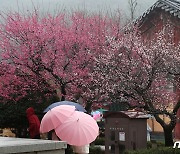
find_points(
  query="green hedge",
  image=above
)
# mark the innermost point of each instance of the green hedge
(92, 150)
(99, 141)
(95, 150)
(160, 150)
(154, 144)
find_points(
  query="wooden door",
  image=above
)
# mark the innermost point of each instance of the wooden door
(117, 137)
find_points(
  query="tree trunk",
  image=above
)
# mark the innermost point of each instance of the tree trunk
(168, 136)
(88, 107)
(63, 92)
(168, 128)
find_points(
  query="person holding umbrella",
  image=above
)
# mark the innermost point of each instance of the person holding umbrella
(34, 123)
(79, 130)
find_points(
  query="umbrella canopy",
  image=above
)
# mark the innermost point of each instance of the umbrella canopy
(55, 117)
(101, 110)
(96, 115)
(77, 106)
(79, 129)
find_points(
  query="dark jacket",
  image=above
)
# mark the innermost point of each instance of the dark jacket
(34, 123)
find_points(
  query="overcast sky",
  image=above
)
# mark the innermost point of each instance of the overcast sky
(90, 5)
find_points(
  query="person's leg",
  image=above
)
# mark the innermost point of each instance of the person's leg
(68, 150)
(50, 135)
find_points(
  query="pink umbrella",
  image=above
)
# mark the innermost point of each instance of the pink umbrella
(55, 117)
(79, 129)
(96, 115)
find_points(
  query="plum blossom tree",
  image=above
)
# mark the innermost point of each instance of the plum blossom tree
(89, 57)
(141, 74)
(51, 54)
(15, 84)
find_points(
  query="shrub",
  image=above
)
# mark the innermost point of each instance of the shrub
(99, 141)
(161, 150)
(149, 145)
(95, 150)
(160, 144)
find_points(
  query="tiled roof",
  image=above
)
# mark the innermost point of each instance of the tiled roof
(171, 6)
(136, 115)
(127, 114)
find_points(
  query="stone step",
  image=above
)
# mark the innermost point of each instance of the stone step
(10, 145)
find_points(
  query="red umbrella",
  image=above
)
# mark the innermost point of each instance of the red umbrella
(55, 117)
(79, 129)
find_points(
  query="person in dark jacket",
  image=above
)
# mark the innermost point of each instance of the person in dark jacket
(34, 123)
